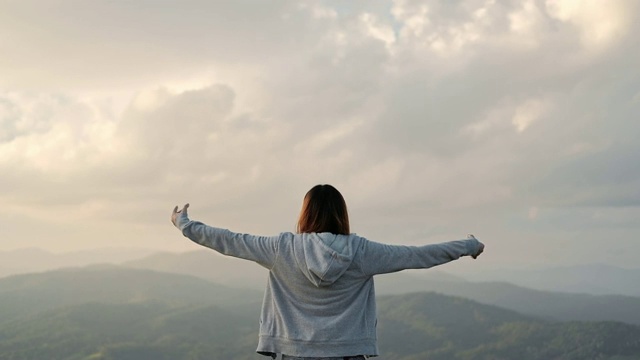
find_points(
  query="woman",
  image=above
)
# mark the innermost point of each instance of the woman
(320, 299)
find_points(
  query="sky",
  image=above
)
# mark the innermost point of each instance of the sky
(517, 121)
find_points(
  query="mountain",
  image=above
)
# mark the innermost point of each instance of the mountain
(411, 327)
(543, 304)
(433, 326)
(30, 260)
(554, 305)
(596, 279)
(241, 274)
(145, 330)
(208, 265)
(22, 295)
(228, 270)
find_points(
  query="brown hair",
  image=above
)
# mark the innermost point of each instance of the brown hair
(323, 210)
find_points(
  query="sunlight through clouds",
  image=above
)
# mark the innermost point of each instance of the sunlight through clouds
(528, 113)
(599, 22)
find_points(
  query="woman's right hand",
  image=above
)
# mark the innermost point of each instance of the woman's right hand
(176, 213)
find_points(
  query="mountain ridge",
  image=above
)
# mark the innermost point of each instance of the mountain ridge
(422, 325)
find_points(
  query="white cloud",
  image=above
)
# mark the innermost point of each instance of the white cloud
(116, 45)
(599, 23)
(378, 30)
(413, 14)
(329, 137)
(509, 113)
(527, 24)
(426, 115)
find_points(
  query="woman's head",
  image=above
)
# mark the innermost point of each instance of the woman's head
(323, 210)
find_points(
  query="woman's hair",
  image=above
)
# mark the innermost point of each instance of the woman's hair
(323, 210)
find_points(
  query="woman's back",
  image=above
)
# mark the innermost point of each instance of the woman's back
(318, 301)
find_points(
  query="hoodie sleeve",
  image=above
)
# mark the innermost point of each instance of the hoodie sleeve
(261, 249)
(380, 258)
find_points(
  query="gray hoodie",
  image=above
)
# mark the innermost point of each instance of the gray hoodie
(320, 298)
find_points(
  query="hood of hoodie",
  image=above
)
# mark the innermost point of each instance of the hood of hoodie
(324, 257)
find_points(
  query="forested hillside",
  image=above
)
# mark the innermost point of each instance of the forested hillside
(432, 326)
(22, 295)
(546, 304)
(111, 313)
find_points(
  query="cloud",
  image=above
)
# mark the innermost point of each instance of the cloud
(599, 23)
(426, 115)
(527, 113)
(118, 45)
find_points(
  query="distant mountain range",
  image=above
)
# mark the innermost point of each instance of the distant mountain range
(23, 295)
(595, 279)
(241, 274)
(109, 313)
(554, 305)
(30, 260)
(206, 265)
(543, 304)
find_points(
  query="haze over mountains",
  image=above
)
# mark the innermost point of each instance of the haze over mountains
(28, 260)
(554, 305)
(28, 293)
(596, 279)
(239, 274)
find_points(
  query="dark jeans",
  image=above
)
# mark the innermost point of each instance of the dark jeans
(358, 357)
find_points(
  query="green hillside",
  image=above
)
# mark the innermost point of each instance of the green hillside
(21, 295)
(148, 330)
(434, 326)
(546, 304)
(121, 314)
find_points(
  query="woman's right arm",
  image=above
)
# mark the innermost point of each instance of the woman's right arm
(380, 258)
(261, 249)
